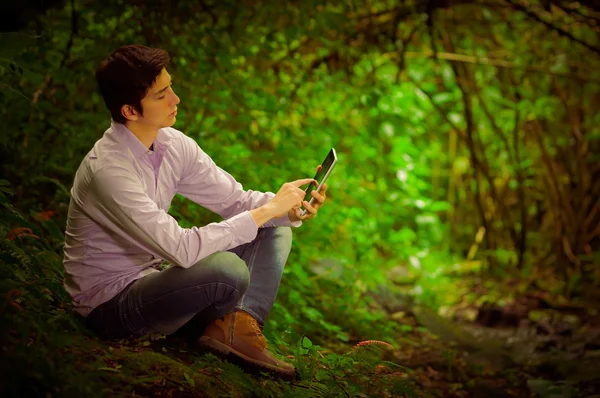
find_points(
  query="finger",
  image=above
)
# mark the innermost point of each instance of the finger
(319, 167)
(309, 208)
(304, 181)
(299, 214)
(307, 215)
(319, 197)
(323, 189)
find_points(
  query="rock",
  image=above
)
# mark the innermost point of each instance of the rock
(392, 299)
(329, 268)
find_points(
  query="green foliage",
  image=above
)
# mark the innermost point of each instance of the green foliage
(464, 149)
(39, 328)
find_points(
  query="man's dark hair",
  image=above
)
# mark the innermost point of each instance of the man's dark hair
(125, 77)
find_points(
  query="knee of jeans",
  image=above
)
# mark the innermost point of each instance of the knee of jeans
(285, 233)
(233, 271)
(283, 236)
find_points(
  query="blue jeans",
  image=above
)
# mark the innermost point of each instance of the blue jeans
(244, 278)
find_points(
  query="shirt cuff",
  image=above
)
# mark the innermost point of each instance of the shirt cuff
(294, 224)
(283, 221)
(243, 228)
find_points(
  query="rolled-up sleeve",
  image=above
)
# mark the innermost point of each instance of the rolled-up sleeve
(120, 204)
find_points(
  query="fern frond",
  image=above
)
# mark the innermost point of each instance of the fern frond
(371, 342)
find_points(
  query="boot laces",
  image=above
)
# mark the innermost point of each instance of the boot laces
(257, 329)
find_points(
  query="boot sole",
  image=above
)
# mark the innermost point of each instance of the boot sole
(226, 352)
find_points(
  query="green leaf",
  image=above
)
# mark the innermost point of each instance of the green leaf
(442, 98)
(403, 235)
(107, 369)
(439, 206)
(305, 342)
(189, 380)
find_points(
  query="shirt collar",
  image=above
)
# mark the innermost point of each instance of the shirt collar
(138, 149)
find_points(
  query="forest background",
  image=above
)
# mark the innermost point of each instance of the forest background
(468, 183)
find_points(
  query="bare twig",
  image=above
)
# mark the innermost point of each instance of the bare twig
(470, 59)
(589, 218)
(438, 108)
(584, 18)
(567, 215)
(341, 385)
(172, 380)
(402, 51)
(209, 11)
(430, 10)
(463, 80)
(520, 243)
(49, 77)
(593, 234)
(549, 25)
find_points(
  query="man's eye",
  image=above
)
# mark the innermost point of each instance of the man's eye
(164, 95)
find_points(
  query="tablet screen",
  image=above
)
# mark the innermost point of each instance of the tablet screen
(325, 166)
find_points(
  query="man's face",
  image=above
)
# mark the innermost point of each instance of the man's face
(159, 104)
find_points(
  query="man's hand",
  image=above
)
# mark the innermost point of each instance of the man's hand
(295, 214)
(289, 196)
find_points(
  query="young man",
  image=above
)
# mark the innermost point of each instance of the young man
(223, 277)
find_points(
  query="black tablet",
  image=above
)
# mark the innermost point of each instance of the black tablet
(321, 177)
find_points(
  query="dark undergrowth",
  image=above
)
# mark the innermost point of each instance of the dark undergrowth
(353, 348)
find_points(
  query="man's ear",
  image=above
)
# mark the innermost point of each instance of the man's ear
(129, 113)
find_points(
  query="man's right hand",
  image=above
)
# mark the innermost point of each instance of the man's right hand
(289, 196)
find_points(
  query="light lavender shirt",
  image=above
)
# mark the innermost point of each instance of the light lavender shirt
(118, 229)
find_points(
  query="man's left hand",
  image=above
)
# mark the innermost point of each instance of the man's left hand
(296, 213)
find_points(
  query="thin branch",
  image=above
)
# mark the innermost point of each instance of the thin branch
(341, 385)
(405, 10)
(49, 77)
(536, 130)
(440, 110)
(430, 27)
(549, 25)
(514, 157)
(463, 80)
(467, 140)
(478, 167)
(593, 234)
(209, 11)
(499, 132)
(74, 31)
(172, 380)
(588, 220)
(471, 59)
(6, 86)
(402, 52)
(586, 18)
(519, 171)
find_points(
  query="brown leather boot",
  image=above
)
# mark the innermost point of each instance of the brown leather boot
(238, 333)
